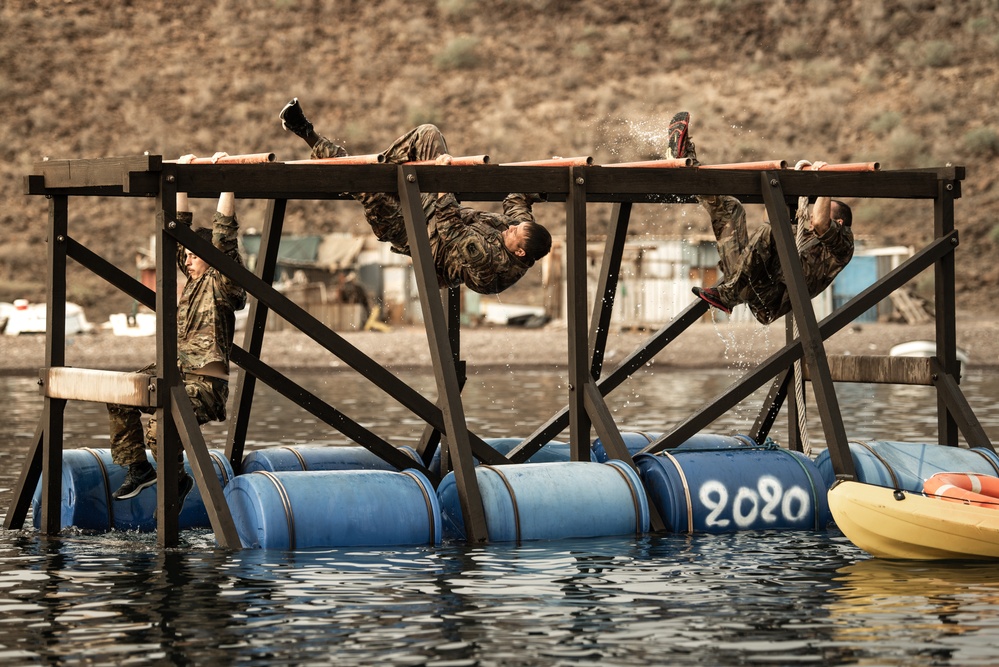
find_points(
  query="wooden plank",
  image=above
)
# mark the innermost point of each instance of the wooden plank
(84, 384)
(84, 173)
(738, 183)
(875, 369)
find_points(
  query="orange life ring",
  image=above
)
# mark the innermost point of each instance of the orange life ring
(964, 487)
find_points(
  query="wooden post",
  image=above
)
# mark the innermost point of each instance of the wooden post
(575, 226)
(167, 374)
(456, 437)
(945, 306)
(253, 335)
(55, 355)
(804, 315)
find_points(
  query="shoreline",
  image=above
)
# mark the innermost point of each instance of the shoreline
(704, 345)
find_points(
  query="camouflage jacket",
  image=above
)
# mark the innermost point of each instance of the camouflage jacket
(822, 259)
(206, 319)
(468, 244)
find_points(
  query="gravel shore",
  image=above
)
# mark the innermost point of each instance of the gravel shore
(704, 345)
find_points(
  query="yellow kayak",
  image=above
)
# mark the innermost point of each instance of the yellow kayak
(899, 524)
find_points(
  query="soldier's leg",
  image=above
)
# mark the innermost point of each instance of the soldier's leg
(383, 211)
(127, 444)
(728, 222)
(293, 119)
(128, 448)
(425, 142)
(208, 397)
(760, 281)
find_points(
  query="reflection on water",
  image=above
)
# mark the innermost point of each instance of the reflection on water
(763, 598)
(929, 609)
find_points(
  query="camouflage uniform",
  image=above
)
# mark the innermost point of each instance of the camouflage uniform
(467, 244)
(751, 267)
(206, 323)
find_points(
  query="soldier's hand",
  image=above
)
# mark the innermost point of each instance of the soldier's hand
(220, 154)
(186, 159)
(443, 159)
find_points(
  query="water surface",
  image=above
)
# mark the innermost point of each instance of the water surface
(769, 598)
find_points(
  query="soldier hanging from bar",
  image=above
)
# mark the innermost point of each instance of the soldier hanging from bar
(487, 252)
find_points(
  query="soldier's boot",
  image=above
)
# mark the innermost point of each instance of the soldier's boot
(140, 475)
(293, 119)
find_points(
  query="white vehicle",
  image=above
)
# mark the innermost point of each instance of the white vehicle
(22, 317)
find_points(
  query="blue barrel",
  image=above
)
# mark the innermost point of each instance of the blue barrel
(636, 441)
(550, 452)
(334, 508)
(731, 489)
(550, 501)
(88, 480)
(285, 459)
(906, 465)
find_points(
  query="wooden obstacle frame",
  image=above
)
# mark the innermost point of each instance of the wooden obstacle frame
(574, 181)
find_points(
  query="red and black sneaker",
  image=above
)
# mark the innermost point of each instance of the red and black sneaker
(677, 136)
(712, 297)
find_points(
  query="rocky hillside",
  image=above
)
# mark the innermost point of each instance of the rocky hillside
(909, 83)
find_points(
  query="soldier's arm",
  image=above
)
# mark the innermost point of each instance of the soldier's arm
(518, 206)
(184, 217)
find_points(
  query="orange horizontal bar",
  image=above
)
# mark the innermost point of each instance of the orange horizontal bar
(671, 163)
(853, 166)
(458, 161)
(553, 162)
(749, 166)
(249, 158)
(375, 158)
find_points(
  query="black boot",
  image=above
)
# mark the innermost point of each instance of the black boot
(294, 120)
(140, 475)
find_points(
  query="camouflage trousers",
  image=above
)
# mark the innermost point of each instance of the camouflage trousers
(750, 265)
(128, 444)
(383, 210)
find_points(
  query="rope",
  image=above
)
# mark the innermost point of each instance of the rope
(799, 399)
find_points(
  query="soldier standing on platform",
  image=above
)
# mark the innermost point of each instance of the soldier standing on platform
(206, 323)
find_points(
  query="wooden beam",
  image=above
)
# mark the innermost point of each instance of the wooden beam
(878, 369)
(804, 315)
(457, 438)
(579, 365)
(84, 384)
(610, 272)
(253, 334)
(109, 171)
(200, 460)
(957, 405)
